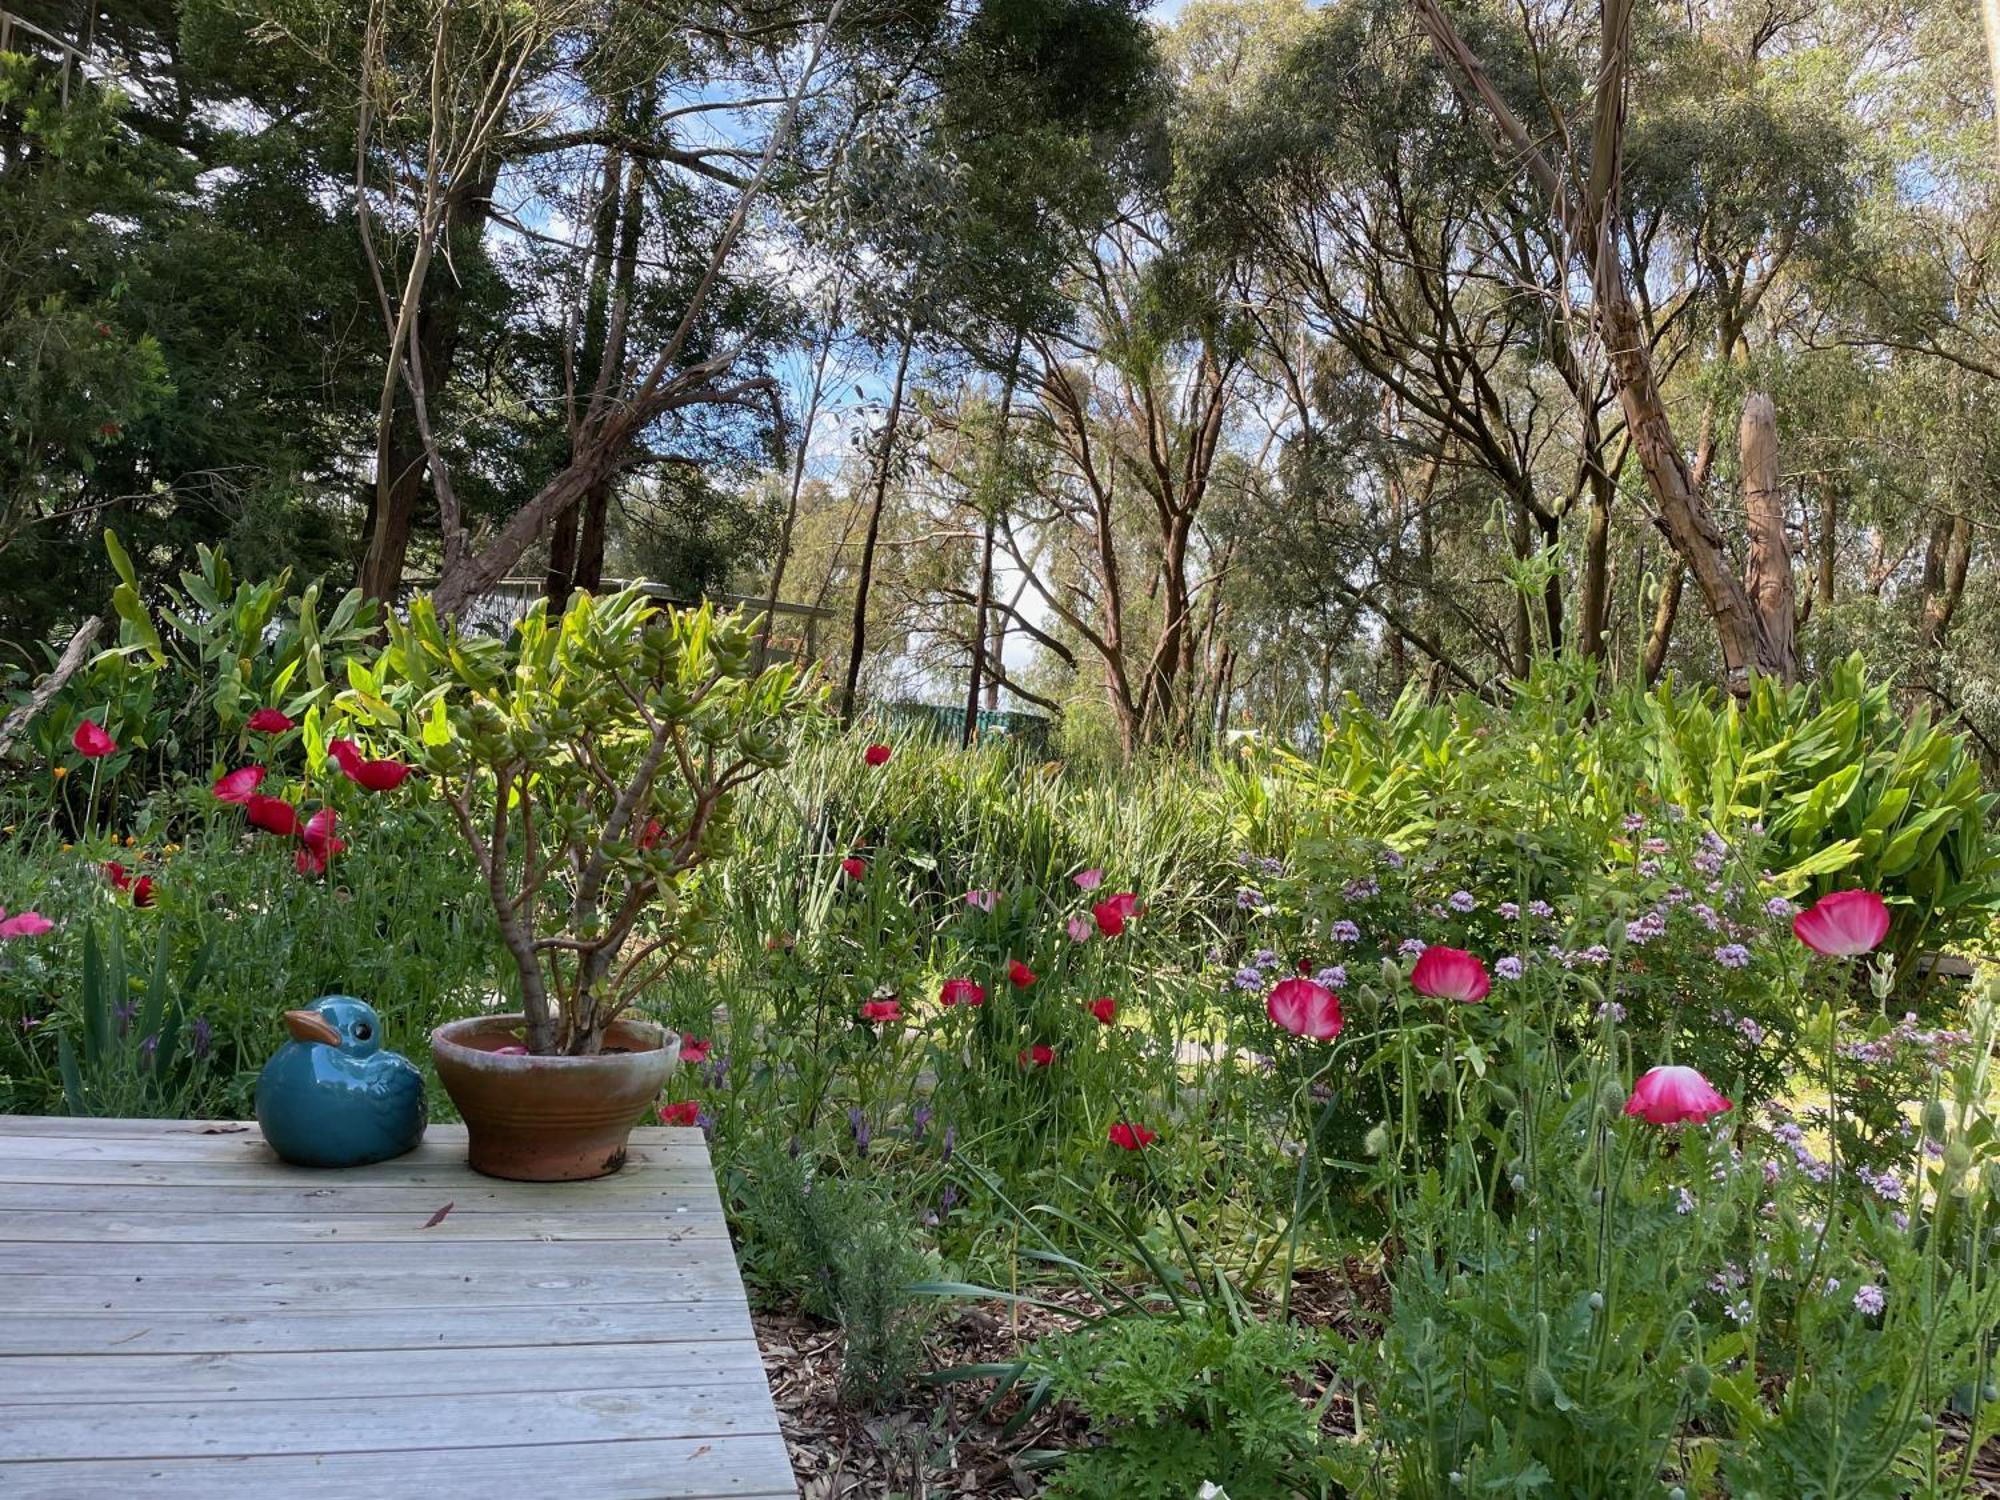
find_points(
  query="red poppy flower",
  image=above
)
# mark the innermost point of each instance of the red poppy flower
(854, 867)
(237, 786)
(683, 1113)
(317, 844)
(1672, 1096)
(1305, 1009)
(1114, 912)
(1129, 1137)
(269, 721)
(1040, 1055)
(650, 835)
(694, 1049)
(1843, 924)
(115, 873)
(876, 755)
(882, 1010)
(1303, 966)
(1019, 974)
(1105, 1009)
(374, 775)
(273, 815)
(142, 891)
(90, 740)
(961, 992)
(1450, 974)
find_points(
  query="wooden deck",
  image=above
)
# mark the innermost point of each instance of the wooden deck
(183, 1315)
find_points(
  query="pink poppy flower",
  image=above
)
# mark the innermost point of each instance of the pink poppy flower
(1019, 974)
(1079, 928)
(854, 867)
(877, 755)
(983, 900)
(269, 721)
(317, 844)
(1843, 924)
(91, 741)
(373, 775)
(1673, 1095)
(273, 815)
(683, 1113)
(882, 1010)
(1114, 912)
(1105, 1009)
(961, 992)
(1305, 1009)
(1450, 974)
(116, 874)
(694, 1049)
(24, 924)
(1088, 880)
(1039, 1056)
(237, 786)
(1130, 1137)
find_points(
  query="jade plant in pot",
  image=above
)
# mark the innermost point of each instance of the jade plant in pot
(591, 762)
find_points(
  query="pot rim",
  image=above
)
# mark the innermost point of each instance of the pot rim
(662, 1039)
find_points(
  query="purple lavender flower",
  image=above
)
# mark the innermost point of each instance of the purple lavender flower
(1345, 931)
(1611, 1010)
(1360, 890)
(1248, 979)
(1633, 822)
(1507, 968)
(858, 1123)
(1752, 1032)
(1510, 911)
(202, 1034)
(1391, 858)
(1462, 902)
(707, 1123)
(1410, 947)
(1733, 956)
(1264, 958)
(1540, 909)
(1248, 898)
(920, 1120)
(1778, 909)
(148, 1047)
(1868, 1300)
(1333, 977)
(950, 1143)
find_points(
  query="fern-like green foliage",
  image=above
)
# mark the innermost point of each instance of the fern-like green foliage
(1183, 1401)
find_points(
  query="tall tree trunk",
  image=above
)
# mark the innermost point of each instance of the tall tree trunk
(1667, 609)
(857, 641)
(1767, 575)
(996, 465)
(1589, 216)
(816, 394)
(401, 461)
(586, 362)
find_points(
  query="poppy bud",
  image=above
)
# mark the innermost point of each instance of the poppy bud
(1937, 1119)
(1543, 1392)
(1700, 1379)
(1957, 1160)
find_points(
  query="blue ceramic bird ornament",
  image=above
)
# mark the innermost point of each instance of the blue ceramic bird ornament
(331, 1097)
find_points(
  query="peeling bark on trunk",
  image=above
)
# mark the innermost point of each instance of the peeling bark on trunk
(1767, 573)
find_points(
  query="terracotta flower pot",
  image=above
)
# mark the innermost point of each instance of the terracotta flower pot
(549, 1119)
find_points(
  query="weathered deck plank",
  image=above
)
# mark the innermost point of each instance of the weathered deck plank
(187, 1316)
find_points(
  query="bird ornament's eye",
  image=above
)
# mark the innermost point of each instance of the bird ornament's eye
(362, 1031)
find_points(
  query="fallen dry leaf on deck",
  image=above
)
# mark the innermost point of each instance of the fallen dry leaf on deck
(438, 1218)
